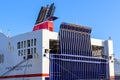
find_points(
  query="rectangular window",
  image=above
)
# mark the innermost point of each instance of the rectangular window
(34, 50)
(31, 50)
(28, 51)
(28, 43)
(24, 51)
(24, 44)
(19, 53)
(21, 44)
(18, 45)
(34, 42)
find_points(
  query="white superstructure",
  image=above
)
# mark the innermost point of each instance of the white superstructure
(23, 55)
(26, 56)
(108, 52)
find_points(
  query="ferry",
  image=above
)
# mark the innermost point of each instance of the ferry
(27, 56)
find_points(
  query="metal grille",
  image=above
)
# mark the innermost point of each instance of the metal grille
(75, 60)
(75, 40)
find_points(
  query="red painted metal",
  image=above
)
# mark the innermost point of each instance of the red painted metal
(25, 75)
(112, 77)
(44, 25)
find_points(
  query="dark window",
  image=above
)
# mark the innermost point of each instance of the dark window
(28, 43)
(24, 44)
(31, 42)
(34, 50)
(18, 52)
(25, 52)
(28, 51)
(18, 45)
(21, 52)
(34, 42)
(21, 44)
(31, 50)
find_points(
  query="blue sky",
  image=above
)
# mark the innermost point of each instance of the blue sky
(103, 16)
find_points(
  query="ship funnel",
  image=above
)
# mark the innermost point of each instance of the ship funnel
(45, 18)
